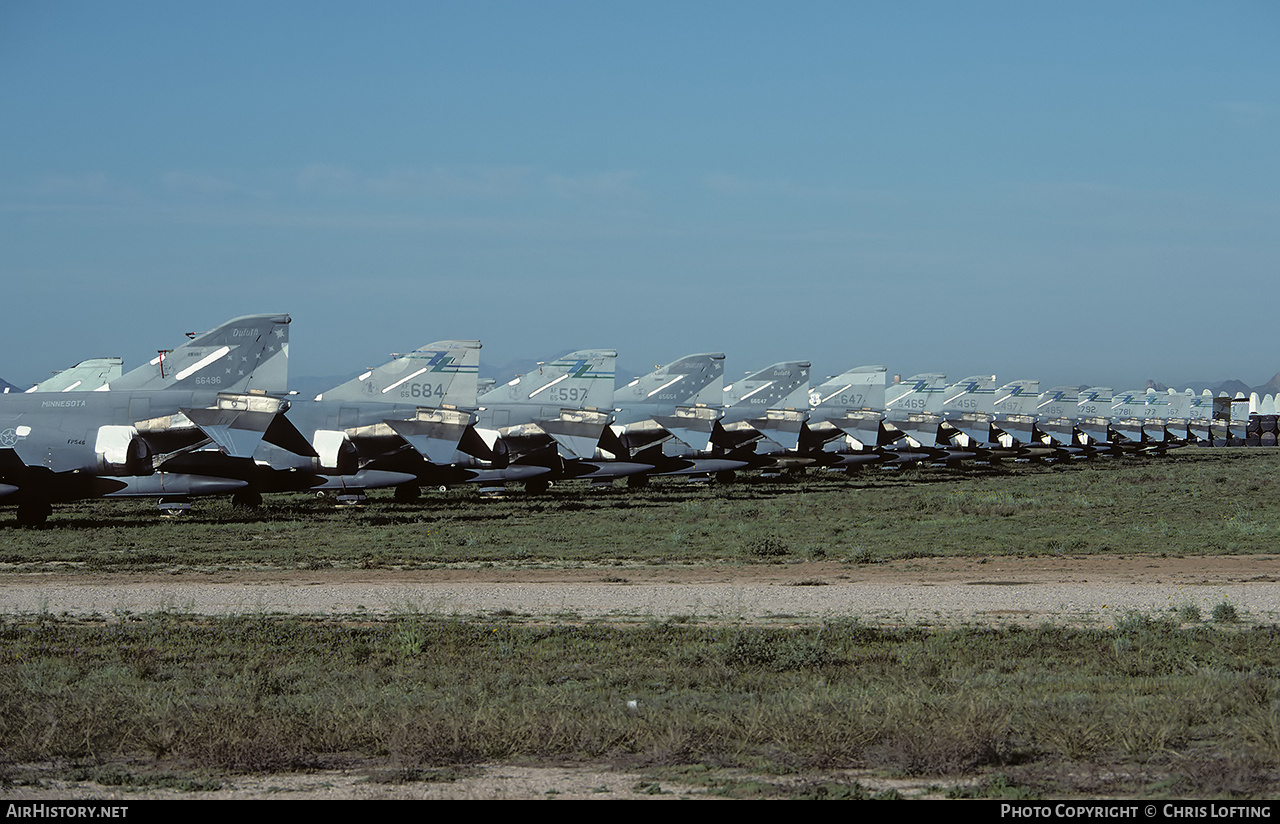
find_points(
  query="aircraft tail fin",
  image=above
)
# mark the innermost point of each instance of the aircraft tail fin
(918, 394)
(694, 380)
(862, 388)
(973, 394)
(84, 376)
(444, 373)
(1059, 402)
(244, 354)
(1018, 398)
(570, 399)
(783, 385)
(579, 380)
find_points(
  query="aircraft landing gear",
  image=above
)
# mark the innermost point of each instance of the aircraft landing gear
(173, 507)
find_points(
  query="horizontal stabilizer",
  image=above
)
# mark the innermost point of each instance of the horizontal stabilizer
(237, 433)
(435, 433)
(862, 426)
(783, 427)
(239, 422)
(285, 435)
(577, 431)
(691, 425)
(976, 426)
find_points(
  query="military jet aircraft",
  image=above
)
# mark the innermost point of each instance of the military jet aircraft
(913, 419)
(554, 418)
(996, 423)
(382, 428)
(845, 419)
(666, 419)
(764, 414)
(77, 444)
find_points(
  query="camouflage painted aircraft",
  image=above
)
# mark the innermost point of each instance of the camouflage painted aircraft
(219, 386)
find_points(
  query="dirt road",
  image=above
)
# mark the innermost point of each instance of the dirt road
(1090, 590)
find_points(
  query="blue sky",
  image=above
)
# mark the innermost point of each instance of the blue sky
(1077, 192)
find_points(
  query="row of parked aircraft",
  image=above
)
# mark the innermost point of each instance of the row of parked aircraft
(215, 416)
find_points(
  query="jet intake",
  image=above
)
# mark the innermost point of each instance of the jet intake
(119, 450)
(337, 455)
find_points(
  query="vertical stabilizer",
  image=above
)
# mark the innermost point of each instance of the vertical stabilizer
(694, 380)
(444, 373)
(861, 389)
(242, 355)
(85, 376)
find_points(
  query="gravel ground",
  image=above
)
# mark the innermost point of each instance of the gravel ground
(1088, 590)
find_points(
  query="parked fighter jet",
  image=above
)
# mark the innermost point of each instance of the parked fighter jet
(913, 419)
(845, 419)
(553, 418)
(1093, 418)
(1056, 413)
(390, 426)
(764, 414)
(666, 419)
(76, 444)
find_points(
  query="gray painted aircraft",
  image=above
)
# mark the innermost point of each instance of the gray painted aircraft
(845, 416)
(390, 426)
(913, 417)
(1056, 410)
(554, 418)
(87, 374)
(666, 419)
(81, 444)
(764, 414)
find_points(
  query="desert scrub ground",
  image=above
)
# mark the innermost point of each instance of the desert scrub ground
(1148, 708)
